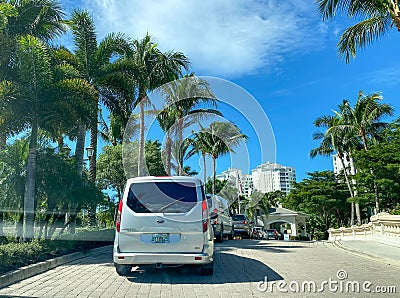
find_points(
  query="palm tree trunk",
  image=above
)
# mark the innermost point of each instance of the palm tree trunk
(204, 168)
(3, 140)
(346, 177)
(92, 171)
(353, 181)
(80, 148)
(3, 238)
(141, 140)
(180, 138)
(214, 174)
(372, 174)
(168, 148)
(29, 194)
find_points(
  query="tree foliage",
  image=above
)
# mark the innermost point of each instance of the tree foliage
(323, 198)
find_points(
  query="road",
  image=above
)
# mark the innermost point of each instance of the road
(291, 269)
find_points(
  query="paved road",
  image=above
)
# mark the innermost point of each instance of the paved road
(239, 267)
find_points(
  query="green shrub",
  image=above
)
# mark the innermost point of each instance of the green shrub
(16, 255)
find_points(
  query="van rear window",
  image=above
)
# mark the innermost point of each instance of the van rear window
(162, 197)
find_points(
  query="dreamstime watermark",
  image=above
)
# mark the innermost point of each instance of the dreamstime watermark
(340, 284)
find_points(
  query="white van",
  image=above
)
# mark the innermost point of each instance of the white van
(222, 224)
(163, 221)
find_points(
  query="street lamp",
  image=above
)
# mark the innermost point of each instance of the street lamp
(89, 152)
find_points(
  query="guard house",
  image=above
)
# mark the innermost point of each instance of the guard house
(280, 218)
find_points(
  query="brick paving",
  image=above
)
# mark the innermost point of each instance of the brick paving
(239, 267)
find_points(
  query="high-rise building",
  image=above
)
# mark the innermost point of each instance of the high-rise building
(235, 178)
(270, 177)
(347, 161)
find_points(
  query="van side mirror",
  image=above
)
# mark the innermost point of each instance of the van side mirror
(213, 215)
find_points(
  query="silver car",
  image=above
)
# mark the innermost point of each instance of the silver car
(163, 221)
(242, 225)
(222, 223)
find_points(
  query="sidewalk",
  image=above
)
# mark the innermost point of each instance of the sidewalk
(34, 269)
(371, 249)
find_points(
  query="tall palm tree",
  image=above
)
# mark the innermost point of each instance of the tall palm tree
(377, 18)
(364, 121)
(153, 68)
(39, 18)
(93, 61)
(183, 98)
(221, 138)
(35, 77)
(341, 143)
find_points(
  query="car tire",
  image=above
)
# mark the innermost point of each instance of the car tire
(220, 236)
(207, 269)
(232, 234)
(123, 270)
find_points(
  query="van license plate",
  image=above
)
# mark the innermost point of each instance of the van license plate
(160, 238)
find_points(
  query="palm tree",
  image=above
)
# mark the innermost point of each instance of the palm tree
(153, 68)
(221, 138)
(199, 145)
(341, 143)
(39, 18)
(363, 121)
(35, 78)
(377, 18)
(93, 60)
(182, 100)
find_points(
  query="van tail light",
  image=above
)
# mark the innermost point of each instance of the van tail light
(204, 211)
(245, 222)
(216, 212)
(119, 214)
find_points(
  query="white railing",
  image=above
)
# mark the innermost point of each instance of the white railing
(383, 227)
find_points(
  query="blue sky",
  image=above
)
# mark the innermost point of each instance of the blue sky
(279, 51)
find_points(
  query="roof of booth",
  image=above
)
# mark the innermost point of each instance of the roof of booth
(280, 211)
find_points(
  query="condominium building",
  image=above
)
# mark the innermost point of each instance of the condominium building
(235, 178)
(338, 164)
(269, 177)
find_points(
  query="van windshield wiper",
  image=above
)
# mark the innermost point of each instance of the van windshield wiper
(172, 203)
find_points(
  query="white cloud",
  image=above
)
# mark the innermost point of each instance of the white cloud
(223, 38)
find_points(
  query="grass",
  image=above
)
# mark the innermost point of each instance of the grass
(16, 255)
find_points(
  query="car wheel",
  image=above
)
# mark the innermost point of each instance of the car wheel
(220, 236)
(123, 270)
(232, 234)
(207, 269)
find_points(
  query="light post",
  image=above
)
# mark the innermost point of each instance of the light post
(91, 210)
(89, 152)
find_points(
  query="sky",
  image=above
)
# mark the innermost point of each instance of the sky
(279, 52)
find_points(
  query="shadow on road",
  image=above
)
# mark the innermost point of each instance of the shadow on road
(228, 268)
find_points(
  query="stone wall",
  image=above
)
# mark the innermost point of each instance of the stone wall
(383, 227)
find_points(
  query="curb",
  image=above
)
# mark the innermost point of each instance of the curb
(34, 269)
(337, 244)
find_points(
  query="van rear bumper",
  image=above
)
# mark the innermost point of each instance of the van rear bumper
(170, 258)
(132, 258)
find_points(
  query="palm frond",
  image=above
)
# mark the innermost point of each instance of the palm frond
(361, 35)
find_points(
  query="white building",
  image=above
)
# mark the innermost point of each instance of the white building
(243, 182)
(269, 177)
(348, 163)
(247, 185)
